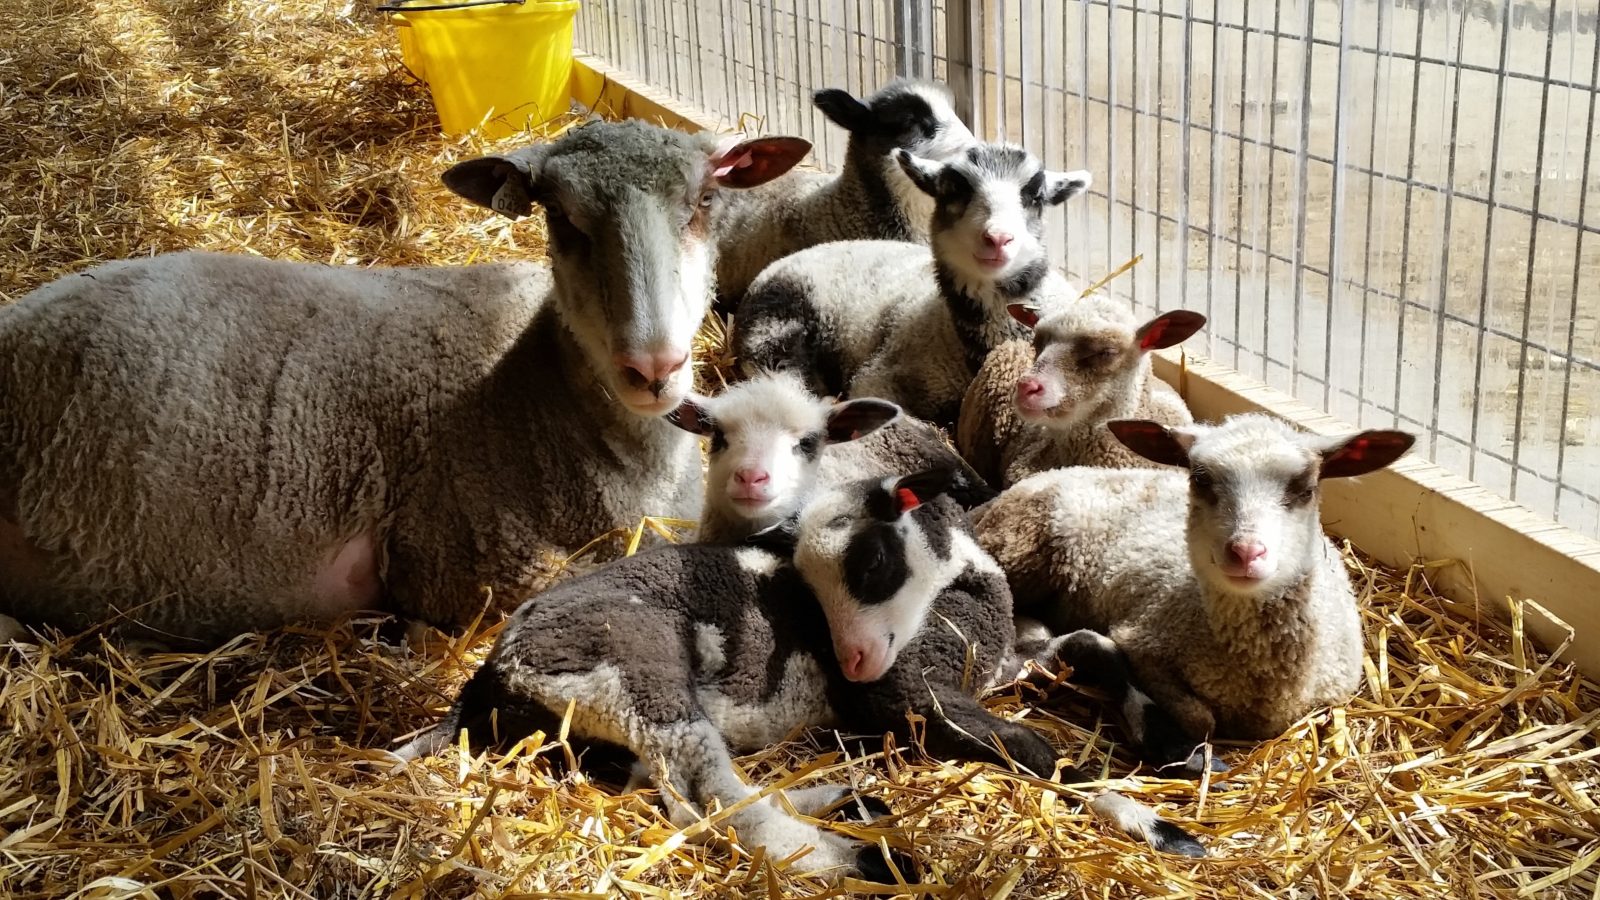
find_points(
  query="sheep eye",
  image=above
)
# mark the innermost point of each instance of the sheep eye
(1098, 358)
(839, 521)
(1203, 483)
(808, 445)
(706, 197)
(719, 441)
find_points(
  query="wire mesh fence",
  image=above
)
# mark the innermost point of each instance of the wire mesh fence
(1387, 209)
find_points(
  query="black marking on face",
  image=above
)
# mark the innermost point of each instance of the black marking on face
(875, 567)
(1033, 191)
(1301, 489)
(1203, 484)
(906, 118)
(810, 446)
(719, 440)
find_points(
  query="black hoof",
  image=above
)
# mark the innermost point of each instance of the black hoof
(1169, 838)
(1194, 766)
(857, 808)
(871, 866)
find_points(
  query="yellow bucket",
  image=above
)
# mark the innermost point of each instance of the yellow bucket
(501, 64)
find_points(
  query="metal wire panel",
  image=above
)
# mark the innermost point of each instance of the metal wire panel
(1385, 208)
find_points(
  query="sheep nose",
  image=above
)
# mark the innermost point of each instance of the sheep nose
(1029, 387)
(1244, 553)
(650, 371)
(998, 239)
(751, 477)
(851, 663)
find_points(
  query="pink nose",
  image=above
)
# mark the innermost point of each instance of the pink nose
(997, 239)
(852, 662)
(1029, 388)
(751, 477)
(1244, 553)
(650, 371)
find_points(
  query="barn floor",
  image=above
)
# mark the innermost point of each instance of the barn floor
(1466, 768)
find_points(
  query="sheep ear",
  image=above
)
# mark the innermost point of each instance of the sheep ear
(1025, 315)
(756, 161)
(1060, 187)
(693, 417)
(843, 110)
(855, 419)
(911, 491)
(505, 184)
(924, 173)
(779, 538)
(1366, 452)
(1152, 440)
(1168, 329)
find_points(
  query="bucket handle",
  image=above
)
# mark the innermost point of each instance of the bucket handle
(401, 7)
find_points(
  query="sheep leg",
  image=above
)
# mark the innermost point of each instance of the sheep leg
(700, 771)
(965, 730)
(1098, 662)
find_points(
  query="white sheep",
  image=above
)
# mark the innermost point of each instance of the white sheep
(202, 444)
(907, 323)
(874, 602)
(1232, 606)
(869, 199)
(1045, 404)
(773, 443)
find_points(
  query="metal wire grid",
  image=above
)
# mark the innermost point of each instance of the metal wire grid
(1383, 208)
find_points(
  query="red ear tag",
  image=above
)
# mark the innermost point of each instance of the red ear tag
(908, 500)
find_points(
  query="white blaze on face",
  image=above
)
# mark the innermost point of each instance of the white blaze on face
(875, 580)
(762, 468)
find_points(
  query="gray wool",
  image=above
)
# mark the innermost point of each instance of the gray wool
(869, 198)
(1125, 552)
(907, 323)
(1087, 351)
(203, 444)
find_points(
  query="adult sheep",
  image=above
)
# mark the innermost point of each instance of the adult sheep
(202, 444)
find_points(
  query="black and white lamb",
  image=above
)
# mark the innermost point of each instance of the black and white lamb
(1045, 404)
(907, 323)
(872, 603)
(201, 444)
(869, 199)
(1232, 606)
(773, 443)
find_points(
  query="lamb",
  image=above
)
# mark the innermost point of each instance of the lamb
(1233, 608)
(870, 197)
(1045, 405)
(199, 444)
(861, 608)
(773, 443)
(906, 323)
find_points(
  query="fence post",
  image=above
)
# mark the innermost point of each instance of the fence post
(910, 53)
(958, 37)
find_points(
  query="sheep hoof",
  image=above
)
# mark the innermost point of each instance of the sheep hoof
(857, 808)
(872, 865)
(12, 631)
(1169, 838)
(1194, 766)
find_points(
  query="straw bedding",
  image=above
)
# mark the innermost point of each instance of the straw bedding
(1466, 767)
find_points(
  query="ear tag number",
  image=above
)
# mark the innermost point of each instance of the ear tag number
(511, 200)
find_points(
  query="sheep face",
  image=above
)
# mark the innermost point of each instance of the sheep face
(1090, 355)
(988, 219)
(627, 206)
(876, 553)
(767, 439)
(1253, 493)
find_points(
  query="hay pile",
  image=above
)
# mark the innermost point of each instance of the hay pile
(1465, 768)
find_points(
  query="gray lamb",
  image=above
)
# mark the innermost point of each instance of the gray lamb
(201, 444)
(873, 603)
(1045, 405)
(1232, 606)
(773, 443)
(908, 323)
(870, 197)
